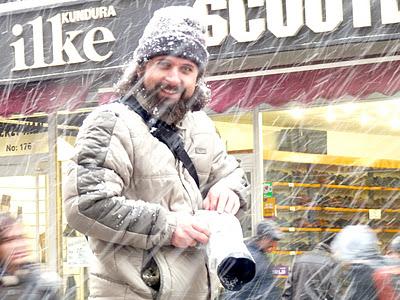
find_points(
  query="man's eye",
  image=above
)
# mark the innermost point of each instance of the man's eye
(187, 69)
(163, 64)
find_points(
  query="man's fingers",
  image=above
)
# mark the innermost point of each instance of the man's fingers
(201, 229)
(212, 200)
(236, 206)
(189, 233)
(222, 201)
(206, 204)
(200, 234)
(233, 203)
(229, 205)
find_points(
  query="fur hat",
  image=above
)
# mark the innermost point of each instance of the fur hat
(176, 31)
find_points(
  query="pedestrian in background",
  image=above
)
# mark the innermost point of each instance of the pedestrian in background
(264, 284)
(393, 250)
(19, 277)
(145, 164)
(357, 251)
(311, 273)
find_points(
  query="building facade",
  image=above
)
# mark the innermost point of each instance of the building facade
(305, 94)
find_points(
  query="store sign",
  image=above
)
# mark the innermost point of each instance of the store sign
(64, 51)
(19, 143)
(280, 270)
(285, 18)
(90, 36)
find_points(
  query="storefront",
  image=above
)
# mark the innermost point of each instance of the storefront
(318, 118)
(305, 96)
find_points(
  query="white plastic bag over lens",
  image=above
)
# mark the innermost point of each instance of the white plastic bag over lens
(226, 250)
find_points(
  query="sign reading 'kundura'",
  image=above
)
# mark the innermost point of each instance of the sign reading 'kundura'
(91, 36)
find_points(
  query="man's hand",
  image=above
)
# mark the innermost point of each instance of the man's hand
(189, 232)
(222, 199)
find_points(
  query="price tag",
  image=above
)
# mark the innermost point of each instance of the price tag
(292, 208)
(375, 214)
(291, 184)
(292, 253)
(291, 229)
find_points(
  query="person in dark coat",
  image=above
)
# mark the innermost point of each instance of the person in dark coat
(263, 285)
(20, 279)
(310, 275)
(357, 251)
(393, 251)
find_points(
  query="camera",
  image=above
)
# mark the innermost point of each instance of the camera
(226, 250)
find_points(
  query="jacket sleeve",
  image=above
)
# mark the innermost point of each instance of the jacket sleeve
(225, 169)
(93, 189)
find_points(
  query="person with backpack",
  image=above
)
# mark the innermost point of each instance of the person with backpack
(146, 163)
(21, 279)
(359, 259)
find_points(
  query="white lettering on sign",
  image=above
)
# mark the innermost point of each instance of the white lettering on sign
(362, 13)
(87, 14)
(390, 11)
(238, 28)
(315, 19)
(22, 143)
(64, 51)
(286, 18)
(217, 26)
(276, 16)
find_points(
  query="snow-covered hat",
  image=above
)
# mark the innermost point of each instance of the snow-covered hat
(176, 31)
(355, 242)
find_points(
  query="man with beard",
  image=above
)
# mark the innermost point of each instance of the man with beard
(146, 164)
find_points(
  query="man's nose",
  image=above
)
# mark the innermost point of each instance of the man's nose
(173, 77)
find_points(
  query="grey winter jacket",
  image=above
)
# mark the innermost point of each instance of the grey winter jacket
(311, 275)
(125, 190)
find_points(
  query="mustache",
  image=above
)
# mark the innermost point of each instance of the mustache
(173, 88)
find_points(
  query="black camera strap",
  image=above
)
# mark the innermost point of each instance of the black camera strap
(166, 134)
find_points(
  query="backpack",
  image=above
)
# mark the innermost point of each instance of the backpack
(387, 282)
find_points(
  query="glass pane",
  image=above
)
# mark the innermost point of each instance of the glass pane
(236, 131)
(331, 166)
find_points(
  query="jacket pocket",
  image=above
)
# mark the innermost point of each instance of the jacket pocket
(200, 153)
(183, 274)
(129, 262)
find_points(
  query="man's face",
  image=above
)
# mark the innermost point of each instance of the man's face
(14, 247)
(267, 245)
(170, 78)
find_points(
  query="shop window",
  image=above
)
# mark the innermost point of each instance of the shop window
(24, 197)
(330, 166)
(236, 132)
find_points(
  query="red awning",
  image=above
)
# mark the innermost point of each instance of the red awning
(45, 96)
(277, 90)
(305, 87)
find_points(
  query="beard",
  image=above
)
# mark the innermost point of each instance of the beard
(162, 108)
